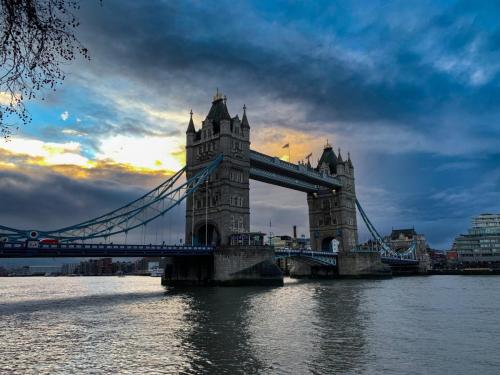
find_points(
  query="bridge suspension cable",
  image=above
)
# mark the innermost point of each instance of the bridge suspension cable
(385, 249)
(133, 215)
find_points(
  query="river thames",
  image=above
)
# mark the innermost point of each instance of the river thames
(132, 325)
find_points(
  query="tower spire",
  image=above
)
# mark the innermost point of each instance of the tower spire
(244, 120)
(190, 128)
(339, 158)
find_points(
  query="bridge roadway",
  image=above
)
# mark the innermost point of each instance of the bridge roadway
(34, 249)
(24, 250)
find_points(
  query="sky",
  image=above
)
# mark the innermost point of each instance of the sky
(410, 88)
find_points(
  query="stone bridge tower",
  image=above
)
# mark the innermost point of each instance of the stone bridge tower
(221, 207)
(332, 213)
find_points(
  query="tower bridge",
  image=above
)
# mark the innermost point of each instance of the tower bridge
(222, 207)
(219, 165)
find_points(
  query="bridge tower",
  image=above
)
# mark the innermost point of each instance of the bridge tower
(332, 213)
(221, 207)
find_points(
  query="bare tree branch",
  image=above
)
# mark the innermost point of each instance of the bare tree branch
(36, 38)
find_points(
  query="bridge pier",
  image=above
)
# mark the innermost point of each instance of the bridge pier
(228, 266)
(188, 271)
(362, 264)
(299, 269)
(246, 265)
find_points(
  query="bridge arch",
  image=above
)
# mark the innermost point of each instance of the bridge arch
(210, 230)
(326, 243)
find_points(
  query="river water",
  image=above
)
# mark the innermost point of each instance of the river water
(131, 325)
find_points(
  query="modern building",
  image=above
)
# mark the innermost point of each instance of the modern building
(69, 268)
(482, 242)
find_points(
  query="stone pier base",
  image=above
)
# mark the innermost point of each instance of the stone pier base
(362, 265)
(188, 271)
(242, 265)
(299, 269)
(246, 265)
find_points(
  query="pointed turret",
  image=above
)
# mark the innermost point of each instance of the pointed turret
(339, 158)
(328, 159)
(244, 120)
(190, 128)
(349, 162)
(218, 111)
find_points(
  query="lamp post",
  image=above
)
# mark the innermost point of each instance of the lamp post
(206, 212)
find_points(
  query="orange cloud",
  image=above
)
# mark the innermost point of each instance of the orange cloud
(271, 140)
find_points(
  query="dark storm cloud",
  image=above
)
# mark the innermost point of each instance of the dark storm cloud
(50, 201)
(191, 47)
(411, 87)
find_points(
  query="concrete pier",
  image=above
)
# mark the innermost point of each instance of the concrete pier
(299, 269)
(246, 265)
(362, 264)
(228, 266)
(188, 271)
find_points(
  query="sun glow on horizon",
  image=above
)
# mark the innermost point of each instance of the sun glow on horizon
(120, 153)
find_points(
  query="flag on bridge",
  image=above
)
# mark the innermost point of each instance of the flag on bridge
(286, 146)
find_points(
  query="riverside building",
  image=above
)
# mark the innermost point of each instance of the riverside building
(482, 243)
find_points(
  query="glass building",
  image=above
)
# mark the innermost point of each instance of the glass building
(482, 243)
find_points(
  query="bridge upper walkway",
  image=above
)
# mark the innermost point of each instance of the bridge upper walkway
(300, 177)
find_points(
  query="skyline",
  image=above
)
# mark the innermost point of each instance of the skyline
(414, 100)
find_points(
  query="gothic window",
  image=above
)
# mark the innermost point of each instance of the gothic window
(327, 220)
(320, 222)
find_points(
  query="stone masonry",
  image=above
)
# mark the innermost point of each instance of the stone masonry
(221, 207)
(332, 213)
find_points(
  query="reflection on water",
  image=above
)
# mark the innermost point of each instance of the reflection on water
(131, 325)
